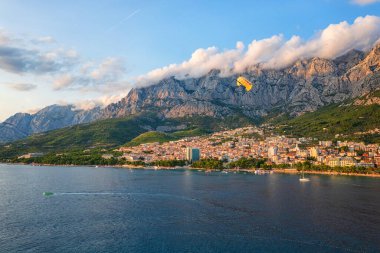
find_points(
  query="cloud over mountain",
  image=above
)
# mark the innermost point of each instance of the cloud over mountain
(274, 52)
(99, 102)
(201, 62)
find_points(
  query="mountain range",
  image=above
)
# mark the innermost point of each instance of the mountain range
(305, 86)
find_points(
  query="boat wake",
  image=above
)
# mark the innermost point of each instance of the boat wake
(89, 193)
(143, 194)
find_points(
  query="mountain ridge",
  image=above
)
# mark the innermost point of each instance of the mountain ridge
(353, 119)
(49, 118)
(304, 86)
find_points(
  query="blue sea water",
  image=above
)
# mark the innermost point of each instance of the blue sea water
(122, 210)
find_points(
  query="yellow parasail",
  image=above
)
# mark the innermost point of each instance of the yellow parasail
(244, 82)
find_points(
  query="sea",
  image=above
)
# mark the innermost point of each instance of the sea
(124, 210)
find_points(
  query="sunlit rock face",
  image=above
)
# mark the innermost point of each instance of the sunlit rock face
(304, 86)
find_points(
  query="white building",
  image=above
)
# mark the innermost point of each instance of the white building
(347, 162)
(272, 151)
(314, 152)
(193, 154)
(333, 162)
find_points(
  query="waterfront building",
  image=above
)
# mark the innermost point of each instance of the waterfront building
(347, 162)
(302, 153)
(320, 159)
(366, 164)
(229, 146)
(314, 152)
(193, 154)
(272, 151)
(333, 162)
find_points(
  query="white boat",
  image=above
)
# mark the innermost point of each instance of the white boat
(303, 178)
(262, 172)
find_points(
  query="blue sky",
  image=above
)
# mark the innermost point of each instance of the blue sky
(130, 38)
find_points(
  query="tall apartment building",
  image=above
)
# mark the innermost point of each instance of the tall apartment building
(193, 154)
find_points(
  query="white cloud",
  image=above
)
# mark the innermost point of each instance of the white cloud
(63, 67)
(34, 110)
(111, 69)
(364, 2)
(259, 51)
(22, 86)
(274, 52)
(71, 53)
(63, 81)
(101, 101)
(200, 63)
(86, 67)
(45, 39)
(329, 43)
(24, 56)
(105, 76)
(4, 37)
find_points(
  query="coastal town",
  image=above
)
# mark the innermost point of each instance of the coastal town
(249, 142)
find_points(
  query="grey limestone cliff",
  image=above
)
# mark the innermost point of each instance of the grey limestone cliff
(305, 86)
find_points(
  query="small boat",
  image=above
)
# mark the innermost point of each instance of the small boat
(48, 194)
(224, 172)
(303, 178)
(263, 172)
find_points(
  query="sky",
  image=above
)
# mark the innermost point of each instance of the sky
(92, 52)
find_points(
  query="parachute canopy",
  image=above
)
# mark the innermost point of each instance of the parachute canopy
(241, 81)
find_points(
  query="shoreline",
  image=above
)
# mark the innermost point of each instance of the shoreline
(329, 173)
(124, 166)
(251, 171)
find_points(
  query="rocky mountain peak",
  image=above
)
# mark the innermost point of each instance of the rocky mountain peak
(348, 60)
(304, 86)
(373, 59)
(51, 117)
(17, 117)
(320, 67)
(368, 66)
